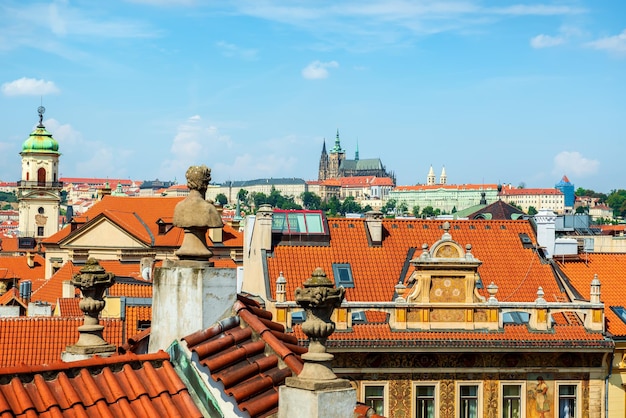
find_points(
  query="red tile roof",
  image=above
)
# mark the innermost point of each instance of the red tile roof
(120, 386)
(250, 355)
(533, 192)
(448, 187)
(517, 271)
(135, 314)
(12, 297)
(52, 289)
(138, 216)
(9, 244)
(611, 270)
(40, 340)
(17, 267)
(511, 337)
(363, 181)
(69, 307)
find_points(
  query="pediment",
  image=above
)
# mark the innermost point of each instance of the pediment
(103, 233)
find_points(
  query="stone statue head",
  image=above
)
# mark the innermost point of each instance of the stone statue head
(198, 177)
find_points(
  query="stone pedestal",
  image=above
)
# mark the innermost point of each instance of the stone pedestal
(327, 403)
(189, 296)
(92, 281)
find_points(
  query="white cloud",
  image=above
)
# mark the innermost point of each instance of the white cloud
(614, 44)
(234, 51)
(574, 163)
(195, 143)
(318, 70)
(29, 87)
(546, 41)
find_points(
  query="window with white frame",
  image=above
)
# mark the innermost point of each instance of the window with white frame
(568, 400)
(425, 396)
(468, 396)
(375, 395)
(512, 401)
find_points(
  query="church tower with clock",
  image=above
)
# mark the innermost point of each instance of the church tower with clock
(39, 189)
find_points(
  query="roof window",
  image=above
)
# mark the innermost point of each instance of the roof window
(620, 312)
(517, 318)
(299, 222)
(343, 275)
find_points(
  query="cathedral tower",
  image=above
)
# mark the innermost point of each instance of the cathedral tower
(39, 189)
(336, 156)
(323, 169)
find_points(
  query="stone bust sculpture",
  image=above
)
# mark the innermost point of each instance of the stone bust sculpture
(196, 215)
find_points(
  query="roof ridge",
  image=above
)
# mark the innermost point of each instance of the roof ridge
(95, 361)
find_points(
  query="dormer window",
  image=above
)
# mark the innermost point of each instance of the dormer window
(164, 225)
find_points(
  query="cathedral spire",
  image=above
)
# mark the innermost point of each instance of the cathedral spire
(356, 153)
(337, 147)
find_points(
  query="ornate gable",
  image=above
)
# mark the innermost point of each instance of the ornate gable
(445, 273)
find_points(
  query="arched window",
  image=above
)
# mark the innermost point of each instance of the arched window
(41, 177)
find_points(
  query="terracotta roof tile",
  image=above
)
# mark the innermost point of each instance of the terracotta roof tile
(135, 316)
(69, 307)
(448, 186)
(139, 216)
(40, 340)
(17, 267)
(250, 369)
(511, 337)
(611, 270)
(517, 271)
(523, 192)
(120, 386)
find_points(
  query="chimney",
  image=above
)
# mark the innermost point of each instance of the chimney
(264, 229)
(374, 224)
(68, 289)
(30, 259)
(545, 220)
(216, 235)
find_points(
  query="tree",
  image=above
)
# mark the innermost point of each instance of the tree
(617, 201)
(416, 211)
(582, 209)
(221, 199)
(454, 209)
(259, 199)
(311, 201)
(389, 207)
(532, 210)
(333, 206)
(8, 197)
(350, 205)
(428, 211)
(242, 196)
(402, 208)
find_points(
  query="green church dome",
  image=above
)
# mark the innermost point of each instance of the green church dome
(40, 140)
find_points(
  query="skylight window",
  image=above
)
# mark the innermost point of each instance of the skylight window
(620, 312)
(298, 222)
(343, 275)
(517, 318)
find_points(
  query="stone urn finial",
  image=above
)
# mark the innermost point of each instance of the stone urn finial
(92, 281)
(319, 298)
(196, 215)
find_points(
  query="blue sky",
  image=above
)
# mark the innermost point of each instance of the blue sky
(495, 91)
